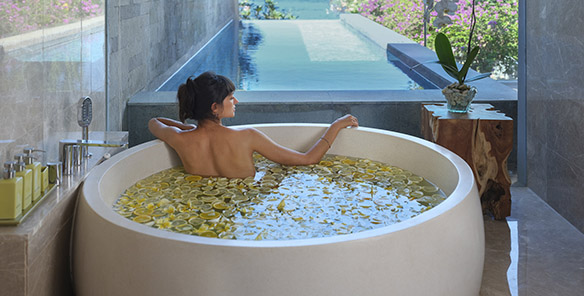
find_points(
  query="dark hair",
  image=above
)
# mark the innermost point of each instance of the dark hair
(196, 96)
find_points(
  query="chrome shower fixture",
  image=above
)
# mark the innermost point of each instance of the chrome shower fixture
(84, 117)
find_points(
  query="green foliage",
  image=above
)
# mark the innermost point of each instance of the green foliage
(348, 6)
(496, 29)
(19, 16)
(446, 59)
(268, 11)
(497, 36)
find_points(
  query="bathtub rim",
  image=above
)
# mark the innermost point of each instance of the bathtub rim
(461, 191)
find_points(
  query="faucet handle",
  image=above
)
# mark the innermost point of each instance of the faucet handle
(28, 154)
(30, 150)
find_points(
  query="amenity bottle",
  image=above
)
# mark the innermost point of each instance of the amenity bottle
(44, 179)
(35, 166)
(10, 193)
(26, 175)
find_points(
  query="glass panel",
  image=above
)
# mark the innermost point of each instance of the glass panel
(93, 58)
(50, 56)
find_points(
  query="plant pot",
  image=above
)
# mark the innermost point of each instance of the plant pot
(458, 98)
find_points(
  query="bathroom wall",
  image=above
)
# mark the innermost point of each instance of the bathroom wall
(50, 56)
(46, 67)
(149, 39)
(555, 104)
(46, 70)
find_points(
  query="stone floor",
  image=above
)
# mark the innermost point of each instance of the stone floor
(534, 252)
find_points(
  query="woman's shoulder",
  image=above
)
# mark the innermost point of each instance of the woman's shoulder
(244, 130)
(245, 133)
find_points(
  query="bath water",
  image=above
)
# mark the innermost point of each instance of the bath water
(340, 195)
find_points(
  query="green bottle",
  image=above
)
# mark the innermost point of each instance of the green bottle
(26, 175)
(10, 193)
(35, 166)
(44, 179)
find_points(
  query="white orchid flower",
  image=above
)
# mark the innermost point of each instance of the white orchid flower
(445, 7)
(441, 21)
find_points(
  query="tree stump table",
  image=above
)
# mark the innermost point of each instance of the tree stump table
(483, 137)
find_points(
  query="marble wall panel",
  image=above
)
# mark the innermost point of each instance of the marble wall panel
(50, 226)
(554, 61)
(536, 144)
(13, 282)
(564, 188)
(537, 166)
(12, 252)
(49, 273)
(564, 136)
(43, 74)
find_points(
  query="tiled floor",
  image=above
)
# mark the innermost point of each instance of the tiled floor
(535, 252)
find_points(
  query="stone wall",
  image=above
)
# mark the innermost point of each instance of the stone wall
(43, 75)
(149, 39)
(555, 104)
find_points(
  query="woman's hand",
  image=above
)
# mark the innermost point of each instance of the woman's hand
(171, 122)
(346, 121)
(167, 129)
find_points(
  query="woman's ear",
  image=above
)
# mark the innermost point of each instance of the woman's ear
(216, 109)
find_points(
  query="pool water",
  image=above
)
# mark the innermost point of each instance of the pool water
(314, 55)
(305, 9)
(340, 195)
(87, 47)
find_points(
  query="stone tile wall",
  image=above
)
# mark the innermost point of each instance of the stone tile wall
(555, 104)
(150, 39)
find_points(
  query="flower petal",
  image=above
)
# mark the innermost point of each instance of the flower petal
(442, 21)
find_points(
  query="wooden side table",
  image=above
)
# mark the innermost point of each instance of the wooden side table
(483, 137)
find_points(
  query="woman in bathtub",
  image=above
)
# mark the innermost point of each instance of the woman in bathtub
(211, 149)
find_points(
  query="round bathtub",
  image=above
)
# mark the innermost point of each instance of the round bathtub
(439, 252)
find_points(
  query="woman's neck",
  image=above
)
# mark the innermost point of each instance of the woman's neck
(210, 122)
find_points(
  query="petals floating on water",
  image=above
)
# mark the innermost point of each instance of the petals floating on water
(340, 195)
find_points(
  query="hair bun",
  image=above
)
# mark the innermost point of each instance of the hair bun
(187, 96)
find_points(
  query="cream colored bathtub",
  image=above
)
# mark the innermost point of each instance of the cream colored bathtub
(439, 252)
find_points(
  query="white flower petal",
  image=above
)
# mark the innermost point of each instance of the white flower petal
(451, 8)
(446, 7)
(440, 22)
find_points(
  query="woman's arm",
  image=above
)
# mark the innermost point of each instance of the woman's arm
(277, 153)
(166, 129)
(176, 123)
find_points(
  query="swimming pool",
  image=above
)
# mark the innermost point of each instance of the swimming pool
(297, 55)
(305, 9)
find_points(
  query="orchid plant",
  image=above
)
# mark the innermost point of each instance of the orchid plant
(445, 8)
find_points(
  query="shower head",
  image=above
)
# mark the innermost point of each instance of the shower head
(84, 113)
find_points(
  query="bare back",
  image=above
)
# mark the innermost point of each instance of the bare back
(212, 149)
(215, 151)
